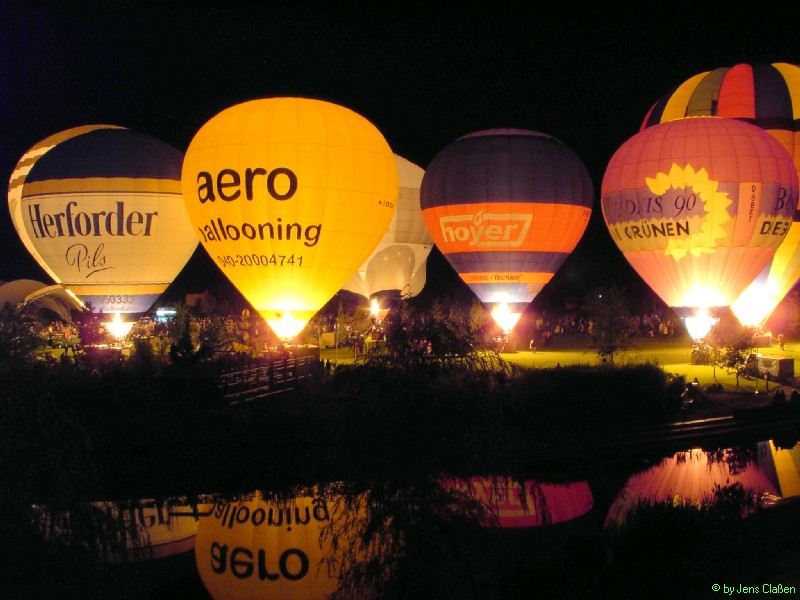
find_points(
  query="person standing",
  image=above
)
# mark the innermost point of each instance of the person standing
(532, 346)
(780, 341)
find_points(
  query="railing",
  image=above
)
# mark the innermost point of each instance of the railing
(244, 380)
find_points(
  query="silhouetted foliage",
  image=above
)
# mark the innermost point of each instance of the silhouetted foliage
(182, 352)
(611, 331)
(732, 343)
(20, 335)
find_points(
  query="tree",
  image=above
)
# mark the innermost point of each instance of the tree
(182, 352)
(90, 328)
(732, 343)
(21, 335)
(611, 327)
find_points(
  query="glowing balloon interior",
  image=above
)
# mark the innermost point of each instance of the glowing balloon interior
(102, 209)
(289, 196)
(506, 207)
(398, 261)
(698, 207)
(754, 306)
(768, 96)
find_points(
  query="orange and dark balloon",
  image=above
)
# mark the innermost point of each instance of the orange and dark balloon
(506, 207)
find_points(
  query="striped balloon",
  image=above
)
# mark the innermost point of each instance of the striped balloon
(766, 95)
(103, 209)
(506, 207)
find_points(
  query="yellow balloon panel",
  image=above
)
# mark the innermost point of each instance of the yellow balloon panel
(762, 296)
(289, 196)
(263, 548)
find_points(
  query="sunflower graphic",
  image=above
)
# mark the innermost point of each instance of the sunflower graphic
(709, 226)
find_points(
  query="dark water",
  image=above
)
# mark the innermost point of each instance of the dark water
(449, 537)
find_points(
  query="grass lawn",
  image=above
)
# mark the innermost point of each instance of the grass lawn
(673, 354)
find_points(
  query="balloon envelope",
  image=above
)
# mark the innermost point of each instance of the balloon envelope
(17, 182)
(512, 504)
(274, 548)
(102, 208)
(768, 96)
(691, 477)
(398, 261)
(289, 196)
(698, 207)
(506, 207)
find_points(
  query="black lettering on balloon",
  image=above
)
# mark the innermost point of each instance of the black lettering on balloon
(79, 256)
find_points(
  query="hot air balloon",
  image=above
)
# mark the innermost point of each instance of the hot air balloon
(689, 477)
(102, 208)
(783, 466)
(289, 196)
(506, 207)
(398, 262)
(512, 504)
(17, 181)
(275, 548)
(137, 530)
(698, 207)
(768, 96)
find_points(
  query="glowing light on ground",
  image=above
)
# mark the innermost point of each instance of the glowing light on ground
(286, 327)
(506, 319)
(699, 325)
(378, 313)
(119, 328)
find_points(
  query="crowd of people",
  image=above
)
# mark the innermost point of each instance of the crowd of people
(548, 329)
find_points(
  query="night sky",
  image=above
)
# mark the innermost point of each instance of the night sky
(423, 76)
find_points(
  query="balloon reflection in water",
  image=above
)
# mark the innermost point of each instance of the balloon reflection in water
(510, 503)
(125, 531)
(690, 477)
(783, 467)
(299, 547)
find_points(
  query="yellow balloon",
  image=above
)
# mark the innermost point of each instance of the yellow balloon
(279, 548)
(289, 196)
